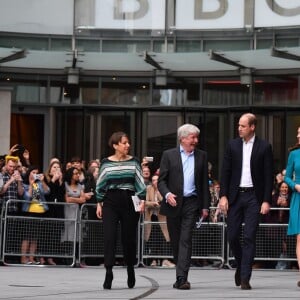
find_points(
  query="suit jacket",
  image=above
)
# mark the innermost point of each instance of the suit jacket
(261, 163)
(171, 180)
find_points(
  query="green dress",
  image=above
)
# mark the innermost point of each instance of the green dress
(292, 178)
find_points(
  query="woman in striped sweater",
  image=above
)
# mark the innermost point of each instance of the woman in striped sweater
(120, 178)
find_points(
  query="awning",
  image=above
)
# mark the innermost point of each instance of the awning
(183, 64)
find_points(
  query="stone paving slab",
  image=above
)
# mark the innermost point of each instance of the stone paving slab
(152, 283)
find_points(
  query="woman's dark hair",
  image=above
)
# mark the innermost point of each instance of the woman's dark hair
(297, 146)
(279, 186)
(29, 170)
(115, 138)
(69, 175)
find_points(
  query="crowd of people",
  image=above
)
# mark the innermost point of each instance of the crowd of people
(174, 197)
(40, 193)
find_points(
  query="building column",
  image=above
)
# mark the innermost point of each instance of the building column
(5, 119)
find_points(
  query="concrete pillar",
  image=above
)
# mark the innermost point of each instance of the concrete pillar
(5, 119)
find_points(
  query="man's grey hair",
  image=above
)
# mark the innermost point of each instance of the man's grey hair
(187, 129)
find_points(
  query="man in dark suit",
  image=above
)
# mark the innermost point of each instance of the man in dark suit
(246, 191)
(183, 182)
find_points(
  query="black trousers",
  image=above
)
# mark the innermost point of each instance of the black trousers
(118, 209)
(245, 209)
(180, 230)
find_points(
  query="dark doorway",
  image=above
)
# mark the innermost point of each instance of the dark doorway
(28, 130)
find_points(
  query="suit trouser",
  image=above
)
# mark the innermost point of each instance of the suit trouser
(245, 209)
(118, 207)
(180, 230)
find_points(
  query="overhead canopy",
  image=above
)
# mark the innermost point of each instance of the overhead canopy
(187, 64)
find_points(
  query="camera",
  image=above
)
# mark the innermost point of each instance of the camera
(149, 158)
(21, 148)
(37, 177)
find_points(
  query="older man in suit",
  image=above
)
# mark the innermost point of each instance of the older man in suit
(183, 182)
(246, 192)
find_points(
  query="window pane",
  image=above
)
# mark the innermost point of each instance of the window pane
(225, 91)
(88, 45)
(264, 44)
(227, 45)
(125, 46)
(188, 46)
(30, 94)
(22, 42)
(160, 46)
(276, 90)
(168, 96)
(120, 93)
(287, 43)
(61, 44)
(161, 135)
(89, 95)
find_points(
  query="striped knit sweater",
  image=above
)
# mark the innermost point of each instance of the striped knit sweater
(125, 175)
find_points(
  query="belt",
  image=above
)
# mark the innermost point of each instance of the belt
(190, 197)
(246, 189)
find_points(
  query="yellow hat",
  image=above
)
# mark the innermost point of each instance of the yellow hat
(10, 157)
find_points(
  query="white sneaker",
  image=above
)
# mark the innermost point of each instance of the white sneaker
(166, 263)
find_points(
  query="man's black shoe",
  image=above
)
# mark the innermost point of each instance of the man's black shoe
(182, 284)
(245, 285)
(237, 277)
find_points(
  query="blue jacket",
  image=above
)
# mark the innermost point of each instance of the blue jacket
(28, 198)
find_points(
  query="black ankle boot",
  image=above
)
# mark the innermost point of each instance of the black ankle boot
(109, 276)
(131, 277)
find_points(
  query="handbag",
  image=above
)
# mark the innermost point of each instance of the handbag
(36, 207)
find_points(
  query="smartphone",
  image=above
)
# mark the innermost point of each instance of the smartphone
(21, 148)
(149, 158)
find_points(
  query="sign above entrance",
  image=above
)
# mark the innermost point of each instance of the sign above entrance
(130, 14)
(195, 14)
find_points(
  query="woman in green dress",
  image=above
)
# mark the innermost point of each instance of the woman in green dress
(292, 178)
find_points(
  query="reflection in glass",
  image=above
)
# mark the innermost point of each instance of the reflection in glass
(225, 91)
(276, 90)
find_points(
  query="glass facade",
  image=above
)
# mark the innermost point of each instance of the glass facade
(80, 117)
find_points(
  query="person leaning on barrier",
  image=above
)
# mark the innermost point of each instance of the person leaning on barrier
(54, 179)
(152, 207)
(90, 229)
(35, 206)
(120, 178)
(183, 182)
(11, 191)
(292, 178)
(74, 197)
(90, 189)
(12, 188)
(246, 191)
(214, 214)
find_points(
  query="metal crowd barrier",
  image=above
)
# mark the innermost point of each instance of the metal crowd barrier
(91, 247)
(207, 241)
(47, 233)
(79, 240)
(273, 247)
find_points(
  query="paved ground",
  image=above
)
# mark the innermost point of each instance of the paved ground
(152, 283)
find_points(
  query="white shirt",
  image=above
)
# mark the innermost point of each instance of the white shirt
(188, 165)
(246, 179)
